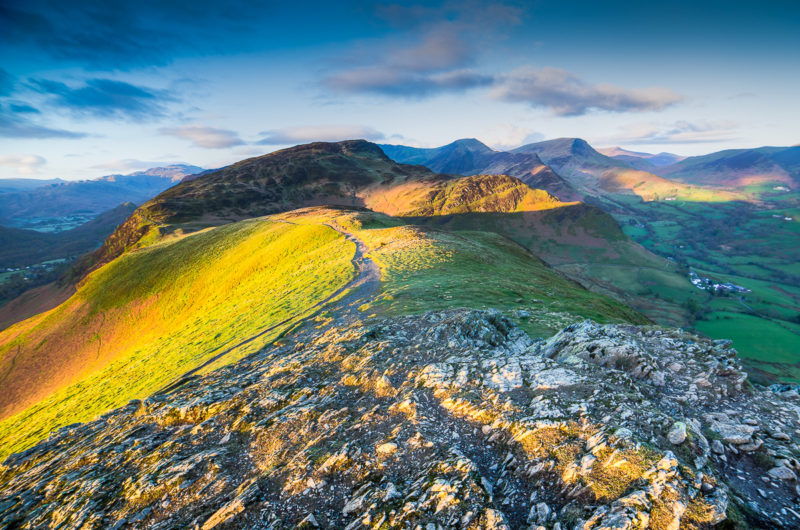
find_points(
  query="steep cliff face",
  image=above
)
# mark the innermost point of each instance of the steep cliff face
(446, 419)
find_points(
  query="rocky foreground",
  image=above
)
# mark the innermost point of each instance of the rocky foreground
(453, 419)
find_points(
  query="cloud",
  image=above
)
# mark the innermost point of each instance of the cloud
(319, 133)
(105, 98)
(679, 132)
(566, 94)
(394, 82)
(505, 136)
(202, 136)
(24, 164)
(12, 125)
(123, 35)
(434, 55)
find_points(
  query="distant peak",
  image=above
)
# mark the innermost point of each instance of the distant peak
(472, 144)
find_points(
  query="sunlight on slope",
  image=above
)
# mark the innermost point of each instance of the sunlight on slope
(424, 269)
(478, 193)
(151, 315)
(651, 187)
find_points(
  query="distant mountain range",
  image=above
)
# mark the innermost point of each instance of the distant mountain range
(26, 199)
(640, 160)
(21, 184)
(471, 157)
(739, 167)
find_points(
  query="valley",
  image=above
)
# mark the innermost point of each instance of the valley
(407, 265)
(744, 229)
(403, 310)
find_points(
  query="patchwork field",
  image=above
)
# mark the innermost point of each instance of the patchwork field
(754, 245)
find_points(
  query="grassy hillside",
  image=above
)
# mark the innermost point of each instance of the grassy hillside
(480, 193)
(305, 175)
(580, 240)
(151, 315)
(425, 269)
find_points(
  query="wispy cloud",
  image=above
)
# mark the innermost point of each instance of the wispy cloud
(394, 82)
(15, 124)
(319, 133)
(566, 94)
(504, 136)
(24, 164)
(203, 136)
(105, 98)
(429, 57)
(679, 132)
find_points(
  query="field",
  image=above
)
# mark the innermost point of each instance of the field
(754, 245)
(147, 318)
(769, 347)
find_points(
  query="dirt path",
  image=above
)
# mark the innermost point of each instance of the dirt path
(362, 289)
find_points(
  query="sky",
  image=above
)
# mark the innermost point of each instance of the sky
(92, 87)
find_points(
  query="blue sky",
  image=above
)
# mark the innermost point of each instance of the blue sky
(89, 88)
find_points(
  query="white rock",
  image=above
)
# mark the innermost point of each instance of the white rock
(782, 473)
(677, 434)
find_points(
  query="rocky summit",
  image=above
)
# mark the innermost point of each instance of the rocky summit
(453, 419)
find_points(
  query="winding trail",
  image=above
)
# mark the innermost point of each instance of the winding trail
(362, 288)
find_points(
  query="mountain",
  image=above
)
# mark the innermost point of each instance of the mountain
(585, 241)
(307, 175)
(609, 182)
(471, 157)
(16, 184)
(740, 167)
(87, 198)
(639, 160)
(569, 155)
(20, 248)
(245, 357)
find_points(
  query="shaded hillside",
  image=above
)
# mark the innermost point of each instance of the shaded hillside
(19, 248)
(471, 157)
(605, 180)
(306, 175)
(88, 197)
(570, 157)
(740, 167)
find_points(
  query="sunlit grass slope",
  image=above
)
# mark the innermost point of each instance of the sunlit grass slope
(148, 317)
(425, 269)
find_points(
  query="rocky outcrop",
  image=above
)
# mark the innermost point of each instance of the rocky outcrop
(453, 419)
